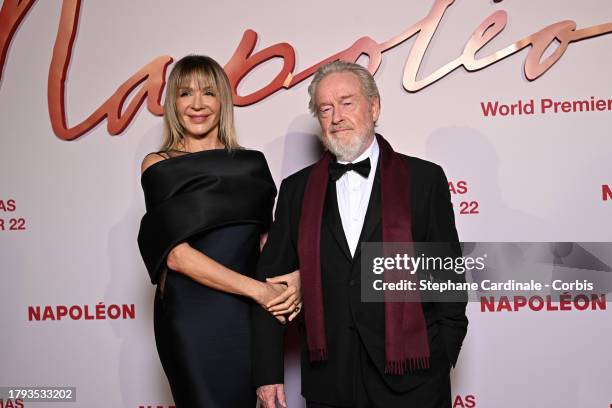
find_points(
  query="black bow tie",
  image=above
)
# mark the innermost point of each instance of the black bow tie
(336, 170)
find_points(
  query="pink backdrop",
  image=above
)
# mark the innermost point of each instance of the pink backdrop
(70, 209)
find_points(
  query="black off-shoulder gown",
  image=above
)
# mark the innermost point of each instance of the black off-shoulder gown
(219, 202)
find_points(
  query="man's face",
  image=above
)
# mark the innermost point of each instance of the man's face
(346, 116)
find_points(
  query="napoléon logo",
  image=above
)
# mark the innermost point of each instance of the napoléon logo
(100, 311)
(151, 77)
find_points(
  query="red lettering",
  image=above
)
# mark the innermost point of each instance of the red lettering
(598, 302)
(565, 302)
(151, 77)
(242, 62)
(550, 306)
(8, 205)
(458, 188)
(519, 302)
(606, 192)
(33, 314)
(48, 313)
(489, 108)
(468, 207)
(11, 15)
(536, 303)
(487, 304)
(100, 312)
(1, 229)
(129, 311)
(17, 224)
(363, 46)
(88, 316)
(484, 33)
(458, 402)
(114, 312)
(469, 401)
(75, 312)
(581, 302)
(18, 403)
(504, 304)
(61, 311)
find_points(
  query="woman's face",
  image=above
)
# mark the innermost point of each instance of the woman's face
(198, 110)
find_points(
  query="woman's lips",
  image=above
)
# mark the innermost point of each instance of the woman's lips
(198, 118)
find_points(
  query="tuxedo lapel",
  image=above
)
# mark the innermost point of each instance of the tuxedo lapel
(332, 220)
(373, 213)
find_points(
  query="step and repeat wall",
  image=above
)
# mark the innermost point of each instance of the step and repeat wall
(512, 98)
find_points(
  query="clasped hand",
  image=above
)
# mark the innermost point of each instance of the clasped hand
(282, 297)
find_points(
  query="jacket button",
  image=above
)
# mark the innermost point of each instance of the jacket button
(352, 282)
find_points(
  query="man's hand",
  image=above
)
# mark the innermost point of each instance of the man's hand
(290, 301)
(269, 394)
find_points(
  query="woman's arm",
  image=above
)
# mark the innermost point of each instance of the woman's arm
(199, 267)
(202, 269)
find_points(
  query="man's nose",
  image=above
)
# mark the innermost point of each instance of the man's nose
(336, 115)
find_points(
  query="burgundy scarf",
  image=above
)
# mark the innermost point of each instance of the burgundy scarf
(406, 344)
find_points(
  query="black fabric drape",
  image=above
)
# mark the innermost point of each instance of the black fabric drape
(189, 194)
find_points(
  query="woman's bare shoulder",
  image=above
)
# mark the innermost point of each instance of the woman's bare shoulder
(152, 158)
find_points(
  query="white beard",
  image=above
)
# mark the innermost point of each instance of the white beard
(346, 151)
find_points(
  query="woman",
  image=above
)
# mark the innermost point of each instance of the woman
(209, 203)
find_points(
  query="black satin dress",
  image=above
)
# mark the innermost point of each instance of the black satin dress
(219, 202)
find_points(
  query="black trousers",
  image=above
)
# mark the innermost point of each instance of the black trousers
(372, 392)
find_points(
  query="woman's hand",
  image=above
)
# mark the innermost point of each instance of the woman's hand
(290, 300)
(267, 291)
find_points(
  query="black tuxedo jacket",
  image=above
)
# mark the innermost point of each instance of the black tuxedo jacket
(331, 381)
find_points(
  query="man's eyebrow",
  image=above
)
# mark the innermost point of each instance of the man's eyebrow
(340, 97)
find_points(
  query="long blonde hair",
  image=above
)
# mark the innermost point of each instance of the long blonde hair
(206, 72)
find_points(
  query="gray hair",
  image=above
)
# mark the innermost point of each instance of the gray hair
(368, 85)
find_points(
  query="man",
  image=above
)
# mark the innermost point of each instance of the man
(357, 354)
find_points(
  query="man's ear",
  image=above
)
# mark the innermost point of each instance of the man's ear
(375, 108)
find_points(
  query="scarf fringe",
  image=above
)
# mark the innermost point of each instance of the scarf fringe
(318, 354)
(411, 364)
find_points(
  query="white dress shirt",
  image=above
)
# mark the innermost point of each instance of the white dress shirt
(353, 193)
